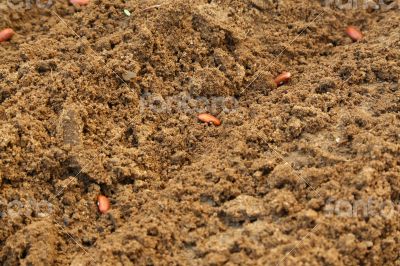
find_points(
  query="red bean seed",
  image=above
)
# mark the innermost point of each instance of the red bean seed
(282, 78)
(80, 2)
(103, 203)
(207, 118)
(6, 34)
(354, 33)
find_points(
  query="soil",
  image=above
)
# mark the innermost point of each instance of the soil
(256, 190)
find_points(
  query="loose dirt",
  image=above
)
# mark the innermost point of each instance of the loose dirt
(272, 185)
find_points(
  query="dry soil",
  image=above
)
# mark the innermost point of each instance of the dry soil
(271, 186)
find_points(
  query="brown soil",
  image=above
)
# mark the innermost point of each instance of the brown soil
(253, 191)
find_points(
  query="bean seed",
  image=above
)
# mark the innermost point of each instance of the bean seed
(6, 34)
(103, 203)
(207, 118)
(80, 2)
(354, 33)
(282, 78)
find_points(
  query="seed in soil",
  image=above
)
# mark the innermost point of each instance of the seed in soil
(282, 78)
(103, 203)
(6, 34)
(354, 33)
(80, 2)
(209, 119)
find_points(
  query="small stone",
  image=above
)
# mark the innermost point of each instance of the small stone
(127, 12)
(128, 75)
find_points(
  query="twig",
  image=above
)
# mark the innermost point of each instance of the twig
(150, 7)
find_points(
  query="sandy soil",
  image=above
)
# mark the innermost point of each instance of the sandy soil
(273, 185)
